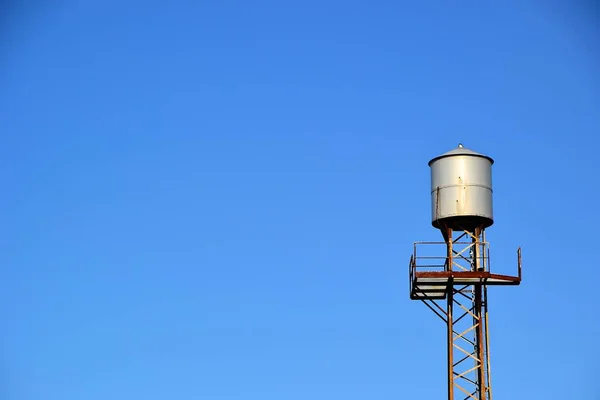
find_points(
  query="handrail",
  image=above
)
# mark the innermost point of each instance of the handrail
(440, 243)
(458, 259)
(519, 261)
(410, 275)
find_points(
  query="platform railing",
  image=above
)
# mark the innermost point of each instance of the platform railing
(422, 260)
(462, 258)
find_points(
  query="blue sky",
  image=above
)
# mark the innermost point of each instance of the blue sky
(217, 200)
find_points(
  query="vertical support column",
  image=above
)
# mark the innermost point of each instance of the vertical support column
(479, 343)
(477, 310)
(488, 370)
(450, 321)
(483, 254)
(449, 242)
(450, 333)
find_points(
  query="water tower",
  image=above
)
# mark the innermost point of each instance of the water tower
(451, 277)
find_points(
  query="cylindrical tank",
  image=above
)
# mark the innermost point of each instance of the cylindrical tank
(461, 189)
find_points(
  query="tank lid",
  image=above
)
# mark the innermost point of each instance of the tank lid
(461, 151)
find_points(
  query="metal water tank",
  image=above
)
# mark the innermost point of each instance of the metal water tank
(461, 189)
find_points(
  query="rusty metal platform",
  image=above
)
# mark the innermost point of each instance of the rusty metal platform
(435, 284)
(431, 276)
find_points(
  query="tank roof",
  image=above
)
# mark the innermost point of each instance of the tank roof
(461, 151)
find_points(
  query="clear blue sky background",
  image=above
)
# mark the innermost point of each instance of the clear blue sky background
(217, 200)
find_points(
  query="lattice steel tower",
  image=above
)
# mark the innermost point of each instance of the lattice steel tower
(451, 277)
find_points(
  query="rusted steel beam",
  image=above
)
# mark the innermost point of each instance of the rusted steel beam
(450, 345)
(457, 275)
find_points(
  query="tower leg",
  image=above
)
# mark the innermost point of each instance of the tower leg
(479, 343)
(479, 337)
(450, 345)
